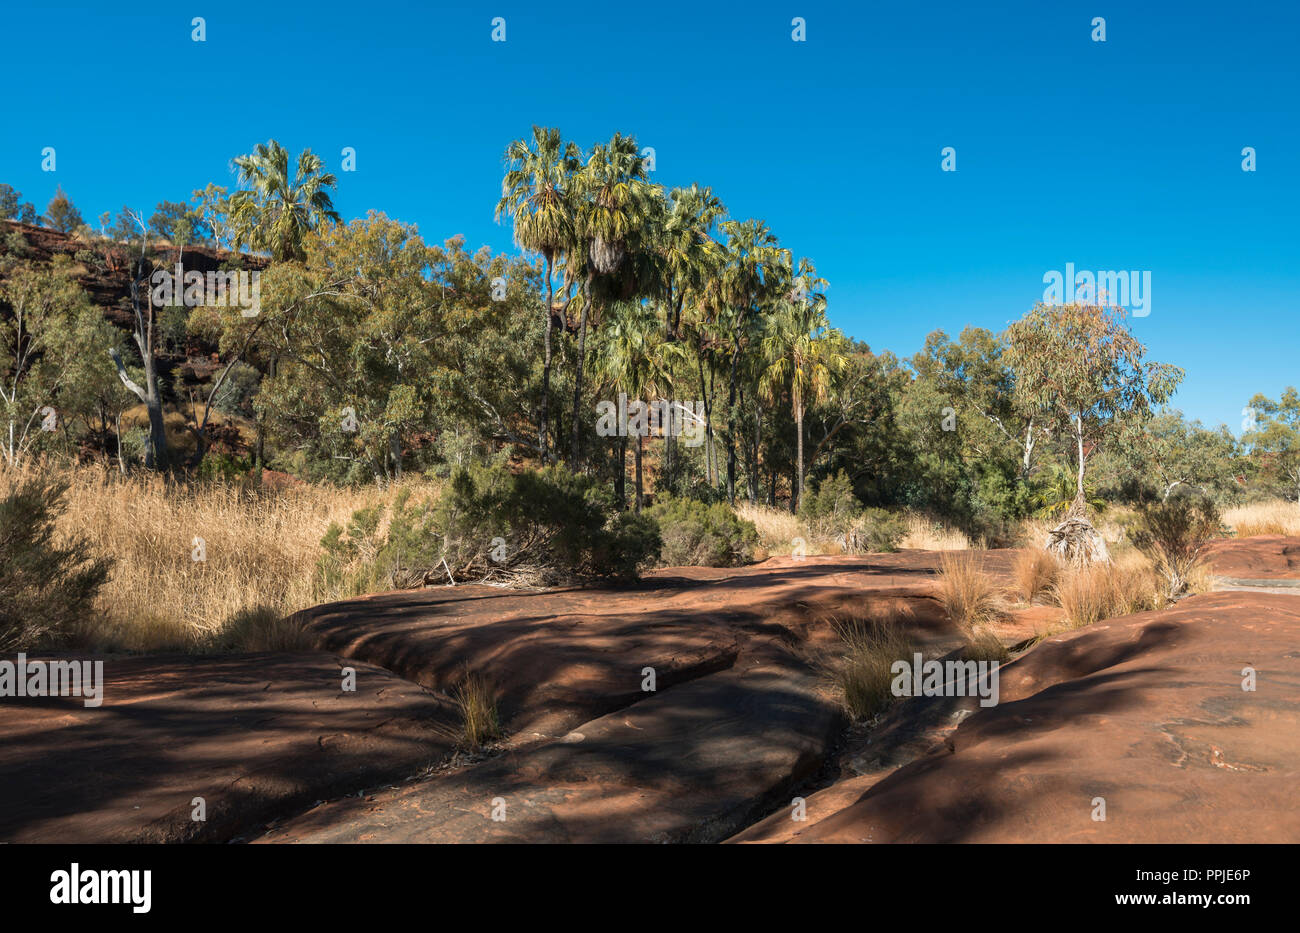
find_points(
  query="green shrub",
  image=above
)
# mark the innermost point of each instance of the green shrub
(874, 530)
(699, 535)
(47, 587)
(544, 526)
(831, 509)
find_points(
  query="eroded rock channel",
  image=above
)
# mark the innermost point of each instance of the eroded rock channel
(1147, 709)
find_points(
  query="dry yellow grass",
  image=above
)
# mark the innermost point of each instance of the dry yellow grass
(777, 528)
(477, 705)
(1273, 517)
(1098, 592)
(929, 535)
(259, 551)
(872, 640)
(1035, 571)
(968, 595)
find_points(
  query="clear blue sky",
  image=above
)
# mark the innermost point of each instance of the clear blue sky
(1119, 155)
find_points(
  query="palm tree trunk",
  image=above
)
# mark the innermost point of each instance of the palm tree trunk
(542, 426)
(577, 384)
(798, 430)
(620, 478)
(731, 421)
(640, 495)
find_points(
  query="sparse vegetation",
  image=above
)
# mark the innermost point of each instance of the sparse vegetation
(1173, 535)
(476, 703)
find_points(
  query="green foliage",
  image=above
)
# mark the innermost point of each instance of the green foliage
(875, 530)
(1274, 439)
(698, 535)
(832, 508)
(1055, 491)
(545, 526)
(61, 214)
(218, 465)
(47, 586)
(278, 207)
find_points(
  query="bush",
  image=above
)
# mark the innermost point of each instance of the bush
(698, 535)
(47, 589)
(1173, 534)
(831, 509)
(544, 526)
(875, 530)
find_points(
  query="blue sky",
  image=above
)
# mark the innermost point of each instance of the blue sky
(1121, 155)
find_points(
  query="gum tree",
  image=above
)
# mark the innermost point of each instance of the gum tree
(1080, 364)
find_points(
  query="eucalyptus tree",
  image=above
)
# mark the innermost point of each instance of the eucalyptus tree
(275, 212)
(802, 351)
(537, 193)
(1080, 364)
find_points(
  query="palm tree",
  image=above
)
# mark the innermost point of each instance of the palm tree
(803, 351)
(638, 360)
(746, 285)
(690, 253)
(273, 213)
(536, 193)
(614, 200)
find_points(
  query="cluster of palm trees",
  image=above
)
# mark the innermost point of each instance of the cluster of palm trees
(678, 292)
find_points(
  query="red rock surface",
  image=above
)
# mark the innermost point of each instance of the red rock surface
(254, 735)
(692, 763)
(1262, 557)
(1146, 711)
(564, 657)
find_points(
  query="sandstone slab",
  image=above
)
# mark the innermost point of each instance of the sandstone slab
(254, 735)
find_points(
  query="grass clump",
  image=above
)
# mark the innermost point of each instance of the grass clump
(870, 646)
(984, 645)
(476, 703)
(969, 596)
(1096, 592)
(1035, 572)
